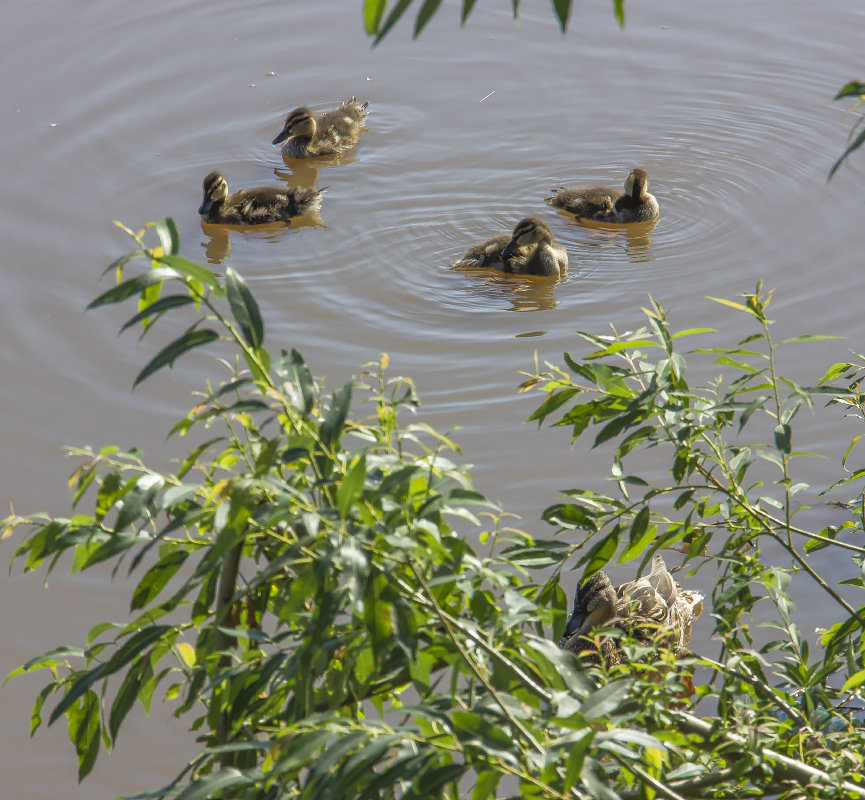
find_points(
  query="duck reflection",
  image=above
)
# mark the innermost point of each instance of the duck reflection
(522, 292)
(217, 238)
(637, 235)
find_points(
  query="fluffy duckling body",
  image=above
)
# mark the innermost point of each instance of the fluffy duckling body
(305, 134)
(603, 204)
(255, 206)
(654, 609)
(529, 251)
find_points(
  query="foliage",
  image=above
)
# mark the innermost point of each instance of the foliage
(308, 598)
(378, 21)
(854, 140)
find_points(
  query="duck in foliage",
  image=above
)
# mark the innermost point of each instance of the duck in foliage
(331, 132)
(603, 204)
(255, 206)
(531, 250)
(654, 610)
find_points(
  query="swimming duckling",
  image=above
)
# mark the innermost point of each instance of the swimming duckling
(255, 206)
(529, 251)
(306, 134)
(653, 609)
(602, 204)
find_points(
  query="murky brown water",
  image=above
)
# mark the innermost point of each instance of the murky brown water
(117, 110)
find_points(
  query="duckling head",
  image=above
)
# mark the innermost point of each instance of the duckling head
(636, 183)
(528, 231)
(215, 191)
(300, 122)
(594, 605)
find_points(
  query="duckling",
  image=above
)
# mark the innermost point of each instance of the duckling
(529, 251)
(255, 206)
(653, 609)
(602, 204)
(306, 134)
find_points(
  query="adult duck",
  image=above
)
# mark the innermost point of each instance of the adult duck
(654, 610)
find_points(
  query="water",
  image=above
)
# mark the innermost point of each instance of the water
(117, 111)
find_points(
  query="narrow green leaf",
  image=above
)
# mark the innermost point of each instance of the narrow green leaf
(373, 10)
(133, 286)
(855, 145)
(158, 308)
(607, 699)
(852, 89)
(426, 13)
(244, 308)
(168, 234)
(619, 11)
(190, 268)
(334, 421)
(125, 697)
(214, 785)
(392, 19)
(167, 356)
(563, 10)
(783, 434)
(836, 370)
(468, 5)
(351, 487)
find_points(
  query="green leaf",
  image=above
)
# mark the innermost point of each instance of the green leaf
(167, 356)
(373, 10)
(563, 10)
(190, 268)
(351, 487)
(159, 307)
(783, 434)
(607, 699)
(392, 19)
(619, 11)
(855, 145)
(334, 421)
(213, 785)
(468, 5)
(852, 89)
(168, 234)
(244, 308)
(426, 13)
(133, 286)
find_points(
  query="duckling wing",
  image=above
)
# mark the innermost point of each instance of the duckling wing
(595, 202)
(486, 254)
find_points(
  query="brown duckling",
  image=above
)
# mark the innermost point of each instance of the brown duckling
(255, 206)
(603, 204)
(529, 251)
(332, 132)
(653, 609)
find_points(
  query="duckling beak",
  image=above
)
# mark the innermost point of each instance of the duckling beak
(509, 248)
(281, 136)
(205, 206)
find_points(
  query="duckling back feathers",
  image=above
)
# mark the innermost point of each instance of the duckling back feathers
(306, 134)
(603, 204)
(529, 251)
(255, 206)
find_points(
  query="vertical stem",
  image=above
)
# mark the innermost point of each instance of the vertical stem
(222, 641)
